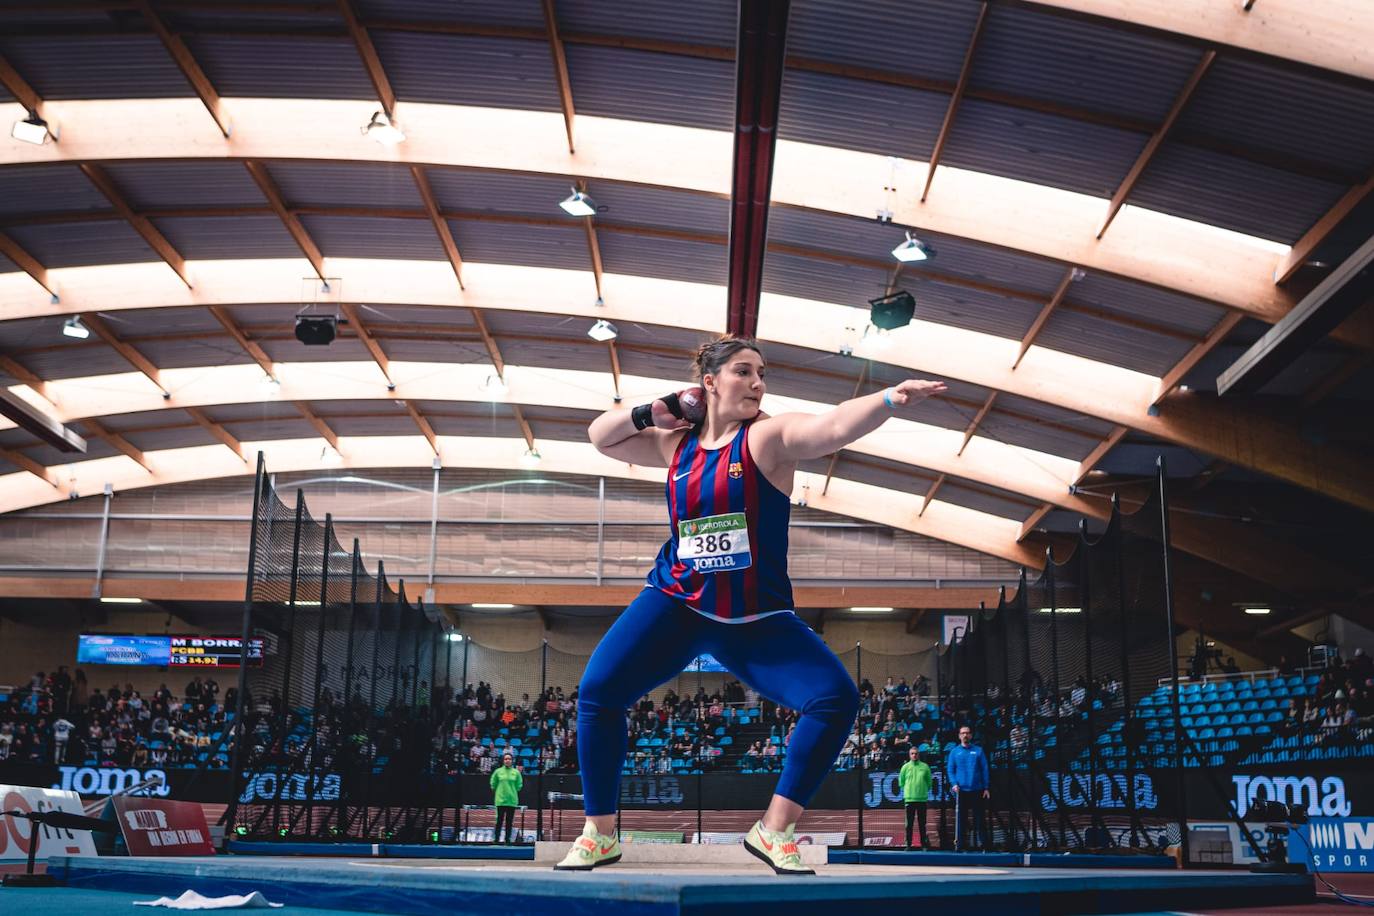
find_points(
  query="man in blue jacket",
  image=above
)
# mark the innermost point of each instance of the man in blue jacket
(966, 770)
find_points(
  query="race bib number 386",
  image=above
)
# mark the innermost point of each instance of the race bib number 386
(717, 543)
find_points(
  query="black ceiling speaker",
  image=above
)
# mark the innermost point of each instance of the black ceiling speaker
(316, 332)
(888, 312)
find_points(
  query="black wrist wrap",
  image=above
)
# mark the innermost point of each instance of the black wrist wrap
(643, 416)
(674, 406)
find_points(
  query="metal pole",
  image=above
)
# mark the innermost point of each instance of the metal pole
(433, 532)
(1054, 690)
(1127, 711)
(372, 701)
(104, 540)
(600, 527)
(234, 774)
(310, 776)
(1085, 601)
(701, 788)
(1173, 655)
(863, 756)
(543, 686)
(355, 566)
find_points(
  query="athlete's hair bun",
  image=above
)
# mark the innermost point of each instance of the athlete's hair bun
(714, 354)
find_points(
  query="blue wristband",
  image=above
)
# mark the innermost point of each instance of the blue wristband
(887, 399)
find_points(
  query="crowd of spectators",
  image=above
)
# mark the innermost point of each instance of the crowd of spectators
(1341, 705)
(58, 718)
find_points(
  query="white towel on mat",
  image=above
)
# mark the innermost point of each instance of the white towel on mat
(193, 901)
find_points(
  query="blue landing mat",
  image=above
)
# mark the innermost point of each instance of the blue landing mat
(516, 888)
(996, 859)
(388, 850)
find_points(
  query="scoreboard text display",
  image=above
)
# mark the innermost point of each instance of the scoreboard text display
(159, 651)
(213, 651)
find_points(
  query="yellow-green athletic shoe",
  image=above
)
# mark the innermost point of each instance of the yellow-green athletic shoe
(778, 849)
(591, 850)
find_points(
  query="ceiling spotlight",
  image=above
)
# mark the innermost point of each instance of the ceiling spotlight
(912, 249)
(1257, 611)
(104, 600)
(455, 637)
(603, 330)
(894, 311)
(530, 458)
(579, 204)
(316, 332)
(871, 610)
(32, 129)
(493, 387)
(73, 327)
(383, 130)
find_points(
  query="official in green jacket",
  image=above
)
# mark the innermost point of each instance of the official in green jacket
(506, 782)
(914, 779)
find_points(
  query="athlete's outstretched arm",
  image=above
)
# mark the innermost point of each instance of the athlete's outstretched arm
(797, 436)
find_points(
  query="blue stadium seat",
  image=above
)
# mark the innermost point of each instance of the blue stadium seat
(1250, 706)
(1269, 704)
(1312, 680)
(1231, 706)
(1295, 681)
(1215, 708)
(1254, 718)
(1274, 716)
(1225, 732)
(1201, 721)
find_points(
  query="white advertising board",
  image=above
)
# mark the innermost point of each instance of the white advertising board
(14, 831)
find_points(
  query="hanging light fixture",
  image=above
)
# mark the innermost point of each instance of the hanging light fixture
(913, 249)
(32, 129)
(382, 129)
(603, 331)
(578, 204)
(73, 327)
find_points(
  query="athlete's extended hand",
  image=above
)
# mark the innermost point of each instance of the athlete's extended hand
(911, 391)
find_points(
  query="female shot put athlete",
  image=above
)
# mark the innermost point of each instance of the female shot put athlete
(720, 583)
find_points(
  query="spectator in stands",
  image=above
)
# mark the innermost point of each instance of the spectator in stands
(914, 779)
(966, 769)
(922, 686)
(1230, 667)
(506, 783)
(61, 734)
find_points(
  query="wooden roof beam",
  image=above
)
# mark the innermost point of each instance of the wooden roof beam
(615, 367)
(423, 424)
(321, 427)
(39, 423)
(930, 495)
(978, 418)
(1156, 140)
(593, 245)
(186, 63)
(25, 463)
(19, 87)
(955, 98)
(441, 227)
(913, 620)
(560, 71)
(141, 224)
(13, 368)
(371, 62)
(130, 354)
(218, 431)
(27, 263)
(1214, 338)
(269, 189)
(1304, 247)
(355, 321)
(1084, 468)
(252, 349)
(1056, 300)
(858, 386)
(489, 342)
(119, 442)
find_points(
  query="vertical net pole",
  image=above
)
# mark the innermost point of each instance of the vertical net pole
(1132, 747)
(371, 762)
(1173, 656)
(863, 757)
(285, 716)
(539, 748)
(312, 772)
(1085, 600)
(241, 732)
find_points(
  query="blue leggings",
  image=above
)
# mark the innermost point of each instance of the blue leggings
(657, 636)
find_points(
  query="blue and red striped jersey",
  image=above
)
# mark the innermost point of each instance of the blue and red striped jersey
(726, 553)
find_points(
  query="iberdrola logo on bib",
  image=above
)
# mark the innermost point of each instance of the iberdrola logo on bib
(691, 528)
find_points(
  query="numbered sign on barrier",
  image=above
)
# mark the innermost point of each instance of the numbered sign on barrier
(14, 831)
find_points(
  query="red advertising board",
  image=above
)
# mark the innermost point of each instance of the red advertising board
(162, 827)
